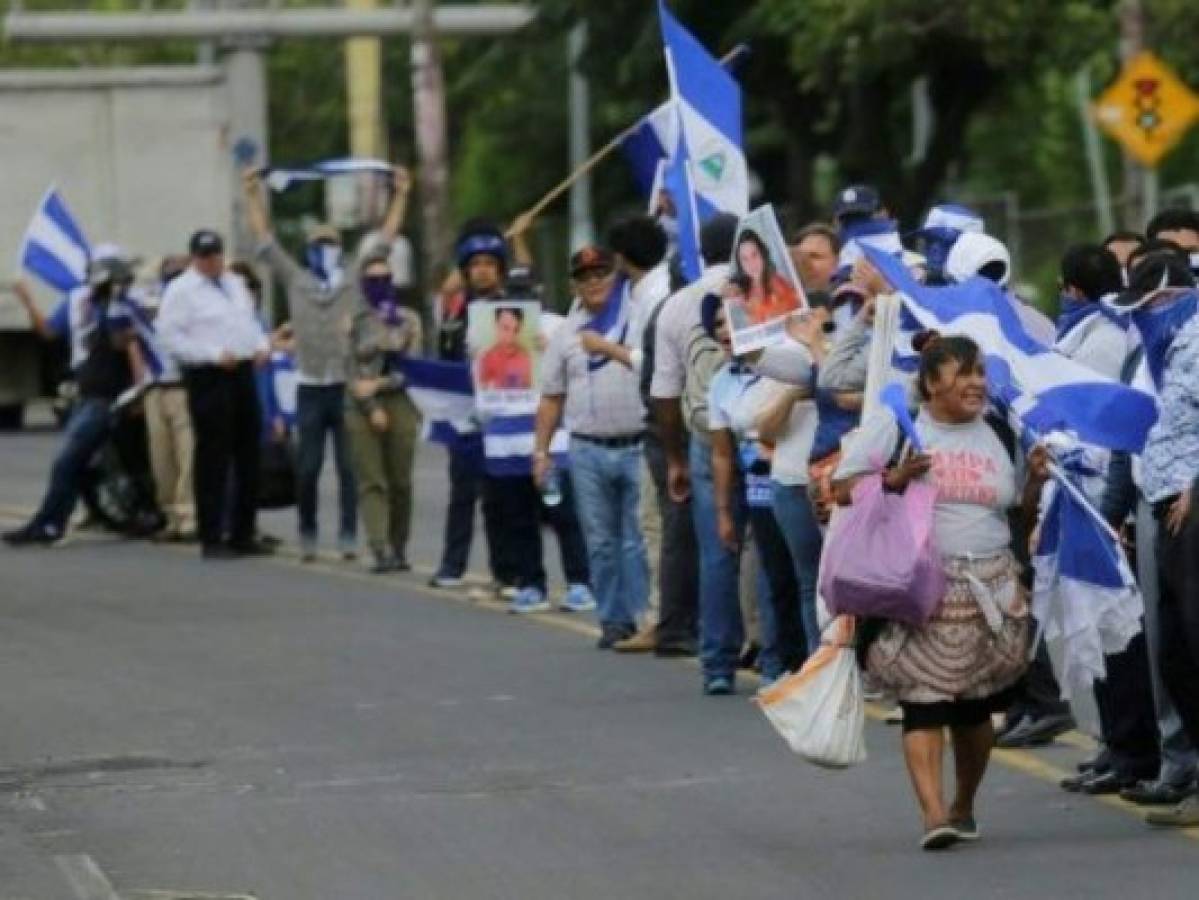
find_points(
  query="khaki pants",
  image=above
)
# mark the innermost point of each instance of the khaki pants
(651, 530)
(383, 468)
(172, 448)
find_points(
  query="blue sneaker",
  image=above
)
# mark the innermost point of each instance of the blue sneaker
(718, 686)
(529, 600)
(578, 599)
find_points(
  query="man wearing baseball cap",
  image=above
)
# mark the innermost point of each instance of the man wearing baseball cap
(600, 399)
(208, 325)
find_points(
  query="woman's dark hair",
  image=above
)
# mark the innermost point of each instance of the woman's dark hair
(749, 236)
(516, 311)
(936, 350)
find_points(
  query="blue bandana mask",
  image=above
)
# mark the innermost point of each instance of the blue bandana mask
(1159, 321)
(324, 261)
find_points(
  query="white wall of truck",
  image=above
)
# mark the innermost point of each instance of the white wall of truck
(141, 156)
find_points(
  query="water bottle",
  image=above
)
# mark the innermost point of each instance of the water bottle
(551, 489)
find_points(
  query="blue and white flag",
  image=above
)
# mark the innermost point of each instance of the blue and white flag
(444, 394)
(283, 179)
(677, 182)
(508, 444)
(1046, 390)
(709, 103)
(611, 322)
(652, 140)
(54, 247)
(1085, 596)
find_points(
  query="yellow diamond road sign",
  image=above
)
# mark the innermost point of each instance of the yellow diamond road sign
(1147, 109)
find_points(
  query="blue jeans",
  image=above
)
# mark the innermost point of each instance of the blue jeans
(607, 489)
(320, 411)
(797, 520)
(85, 433)
(781, 633)
(721, 631)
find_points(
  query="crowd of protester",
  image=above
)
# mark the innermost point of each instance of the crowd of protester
(692, 503)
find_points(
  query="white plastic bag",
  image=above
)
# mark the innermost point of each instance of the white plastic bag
(819, 710)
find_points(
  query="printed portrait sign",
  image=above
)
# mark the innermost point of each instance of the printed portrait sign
(763, 288)
(502, 336)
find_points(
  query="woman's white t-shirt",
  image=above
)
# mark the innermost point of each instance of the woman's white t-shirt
(976, 479)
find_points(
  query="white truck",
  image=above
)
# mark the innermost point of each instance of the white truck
(141, 157)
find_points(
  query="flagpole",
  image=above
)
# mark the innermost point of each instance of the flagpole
(594, 160)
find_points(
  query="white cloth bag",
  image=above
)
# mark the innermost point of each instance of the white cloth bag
(819, 710)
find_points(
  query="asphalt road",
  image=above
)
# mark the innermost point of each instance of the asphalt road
(174, 728)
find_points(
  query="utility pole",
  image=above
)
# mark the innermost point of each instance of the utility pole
(364, 91)
(428, 98)
(582, 231)
(1140, 182)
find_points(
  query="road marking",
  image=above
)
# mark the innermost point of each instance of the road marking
(86, 878)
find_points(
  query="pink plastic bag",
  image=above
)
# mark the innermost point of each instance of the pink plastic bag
(880, 560)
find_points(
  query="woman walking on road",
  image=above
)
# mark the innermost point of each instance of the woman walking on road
(956, 670)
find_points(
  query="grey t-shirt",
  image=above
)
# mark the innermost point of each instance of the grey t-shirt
(976, 480)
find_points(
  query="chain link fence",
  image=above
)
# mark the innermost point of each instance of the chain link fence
(1037, 237)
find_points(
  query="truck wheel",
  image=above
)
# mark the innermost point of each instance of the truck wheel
(12, 417)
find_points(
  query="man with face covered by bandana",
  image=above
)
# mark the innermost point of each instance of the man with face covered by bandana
(322, 295)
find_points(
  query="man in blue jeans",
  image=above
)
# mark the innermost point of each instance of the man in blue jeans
(685, 359)
(603, 410)
(102, 354)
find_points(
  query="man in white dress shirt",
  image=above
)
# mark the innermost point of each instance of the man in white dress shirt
(207, 323)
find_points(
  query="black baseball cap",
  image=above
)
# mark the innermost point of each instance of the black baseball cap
(857, 200)
(588, 258)
(205, 242)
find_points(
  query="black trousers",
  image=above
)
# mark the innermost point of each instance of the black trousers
(1178, 623)
(1038, 693)
(1127, 718)
(678, 564)
(514, 505)
(466, 483)
(227, 423)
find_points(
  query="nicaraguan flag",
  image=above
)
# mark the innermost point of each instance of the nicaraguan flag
(650, 141)
(676, 181)
(444, 394)
(1084, 595)
(508, 444)
(611, 322)
(1046, 390)
(54, 248)
(709, 103)
(282, 179)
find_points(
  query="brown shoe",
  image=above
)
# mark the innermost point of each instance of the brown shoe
(641, 642)
(1184, 815)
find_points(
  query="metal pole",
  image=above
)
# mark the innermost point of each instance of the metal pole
(270, 22)
(428, 98)
(582, 230)
(1132, 40)
(246, 73)
(1100, 189)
